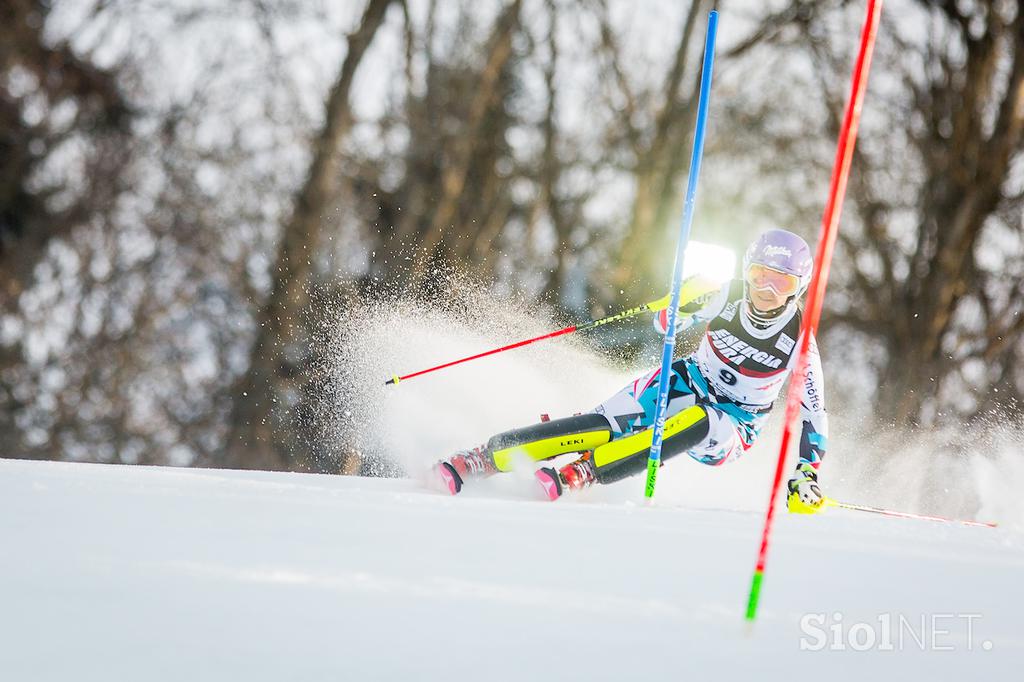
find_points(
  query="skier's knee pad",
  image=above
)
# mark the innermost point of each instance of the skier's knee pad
(627, 456)
(550, 438)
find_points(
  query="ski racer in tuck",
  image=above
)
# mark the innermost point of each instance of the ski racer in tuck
(719, 397)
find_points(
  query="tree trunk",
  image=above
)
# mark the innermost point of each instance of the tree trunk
(660, 164)
(966, 170)
(453, 178)
(260, 428)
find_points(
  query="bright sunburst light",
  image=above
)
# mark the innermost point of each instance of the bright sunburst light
(710, 260)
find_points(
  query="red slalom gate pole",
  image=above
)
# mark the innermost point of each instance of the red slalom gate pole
(819, 276)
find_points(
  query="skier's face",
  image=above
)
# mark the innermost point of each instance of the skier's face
(766, 299)
(769, 288)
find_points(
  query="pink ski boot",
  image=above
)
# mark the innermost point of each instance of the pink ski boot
(475, 463)
(574, 476)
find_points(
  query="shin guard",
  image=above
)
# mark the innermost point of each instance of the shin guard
(549, 439)
(627, 456)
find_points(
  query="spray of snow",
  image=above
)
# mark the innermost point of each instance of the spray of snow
(973, 472)
(403, 429)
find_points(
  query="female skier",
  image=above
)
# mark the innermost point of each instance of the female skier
(719, 396)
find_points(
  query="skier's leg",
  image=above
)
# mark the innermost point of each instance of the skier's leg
(711, 433)
(537, 442)
(728, 438)
(629, 412)
(632, 411)
(549, 439)
(721, 434)
(707, 433)
(628, 455)
(630, 408)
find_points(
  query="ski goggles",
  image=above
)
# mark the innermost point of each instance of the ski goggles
(763, 277)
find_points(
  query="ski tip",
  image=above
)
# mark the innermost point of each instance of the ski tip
(548, 479)
(450, 480)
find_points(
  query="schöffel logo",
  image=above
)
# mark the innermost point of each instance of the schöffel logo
(777, 251)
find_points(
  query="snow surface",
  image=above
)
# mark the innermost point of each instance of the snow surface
(137, 573)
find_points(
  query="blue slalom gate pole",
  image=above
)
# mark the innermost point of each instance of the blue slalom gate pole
(668, 349)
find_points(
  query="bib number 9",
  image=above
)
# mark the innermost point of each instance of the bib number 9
(728, 377)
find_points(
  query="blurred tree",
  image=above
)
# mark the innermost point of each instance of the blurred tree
(271, 387)
(940, 299)
(49, 96)
(927, 277)
(470, 152)
(176, 244)
(455, 198)
(129, 321)
(659, 150)
(64, 129)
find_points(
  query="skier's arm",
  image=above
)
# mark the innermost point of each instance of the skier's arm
(814, 435)
(700, 300)
(805, 496)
